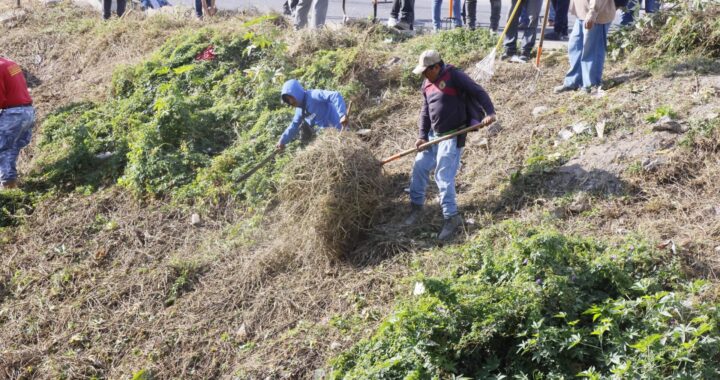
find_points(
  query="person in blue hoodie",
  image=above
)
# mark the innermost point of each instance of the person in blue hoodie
(313, 109)
(451, 101)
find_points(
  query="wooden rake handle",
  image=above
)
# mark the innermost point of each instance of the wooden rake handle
(258, 166)
(436, 141)
(542, 34)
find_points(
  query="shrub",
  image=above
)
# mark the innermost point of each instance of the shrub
(528, 303)
(174, 126)
(686, 27)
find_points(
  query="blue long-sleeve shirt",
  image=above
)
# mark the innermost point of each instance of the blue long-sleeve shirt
(446, 101)
(319, 108)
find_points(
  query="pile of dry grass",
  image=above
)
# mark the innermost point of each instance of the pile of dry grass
(331, 193)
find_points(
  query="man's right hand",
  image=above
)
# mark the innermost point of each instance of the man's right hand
(419, 142)
(280, 147)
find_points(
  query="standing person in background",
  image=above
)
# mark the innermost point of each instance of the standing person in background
(319, 10)
(17, 116)
(633, 8)
(532, 7)
(495, 11)
(289, 7)
(402, 15)
(469, 13)
(394, 14)
(588, 44)
(560, 27)
(107, 8)
(207, 7)
(437, 14)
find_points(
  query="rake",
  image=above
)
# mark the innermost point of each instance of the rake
(484, 70)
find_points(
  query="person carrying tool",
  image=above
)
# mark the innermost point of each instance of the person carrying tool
(313, 109)
(17, 116)
(455, 14)
(532, 7)
(451, 100)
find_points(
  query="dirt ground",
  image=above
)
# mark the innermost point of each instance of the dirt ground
(106, 285)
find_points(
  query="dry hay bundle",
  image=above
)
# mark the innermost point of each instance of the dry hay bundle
(330, 194)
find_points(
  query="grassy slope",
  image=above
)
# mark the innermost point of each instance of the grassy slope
(104, 285)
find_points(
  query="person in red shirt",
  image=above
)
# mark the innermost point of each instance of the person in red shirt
(17, 117)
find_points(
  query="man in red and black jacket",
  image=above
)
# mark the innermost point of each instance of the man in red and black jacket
(17, 116)
(451, 101)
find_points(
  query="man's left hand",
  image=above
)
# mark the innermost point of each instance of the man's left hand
(589, 24)
(489, 119)
(344, 121)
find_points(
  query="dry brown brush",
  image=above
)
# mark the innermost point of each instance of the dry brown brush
(330, 195)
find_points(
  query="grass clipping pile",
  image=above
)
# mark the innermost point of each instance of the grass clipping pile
(330, 194)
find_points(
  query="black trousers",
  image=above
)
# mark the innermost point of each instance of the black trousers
(289, 6)
(561, 15)
(403, 10)
(107, 7)
(469, 13)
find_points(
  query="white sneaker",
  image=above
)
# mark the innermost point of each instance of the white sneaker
(392, 22)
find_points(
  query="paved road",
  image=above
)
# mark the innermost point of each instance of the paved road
(359, 9)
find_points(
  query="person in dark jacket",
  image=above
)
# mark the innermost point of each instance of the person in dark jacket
(450, 102)
(17, 116)
(313, 109)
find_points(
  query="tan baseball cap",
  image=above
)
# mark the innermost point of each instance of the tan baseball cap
(427, 58)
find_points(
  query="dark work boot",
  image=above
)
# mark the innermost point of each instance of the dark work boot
(415, 214)
(450, 227)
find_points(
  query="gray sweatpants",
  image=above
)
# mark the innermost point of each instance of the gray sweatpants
(319, 10)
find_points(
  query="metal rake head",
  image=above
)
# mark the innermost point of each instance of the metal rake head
(485, 69)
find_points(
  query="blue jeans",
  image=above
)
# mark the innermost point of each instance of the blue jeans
(628, 16)
(445, 159)
(15, 133)
(586, 50)
(437, 10)
(198, 7)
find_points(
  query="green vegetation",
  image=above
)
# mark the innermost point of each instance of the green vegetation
(13, 203)
(142, 374)
(702, 134)
(683, 29)
(169, 118)
(186, 128)
(661, 112)
(527, 303)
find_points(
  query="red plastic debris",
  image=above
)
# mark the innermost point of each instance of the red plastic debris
(206, 55)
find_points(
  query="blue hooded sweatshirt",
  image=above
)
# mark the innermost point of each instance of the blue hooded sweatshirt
(320, 108)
